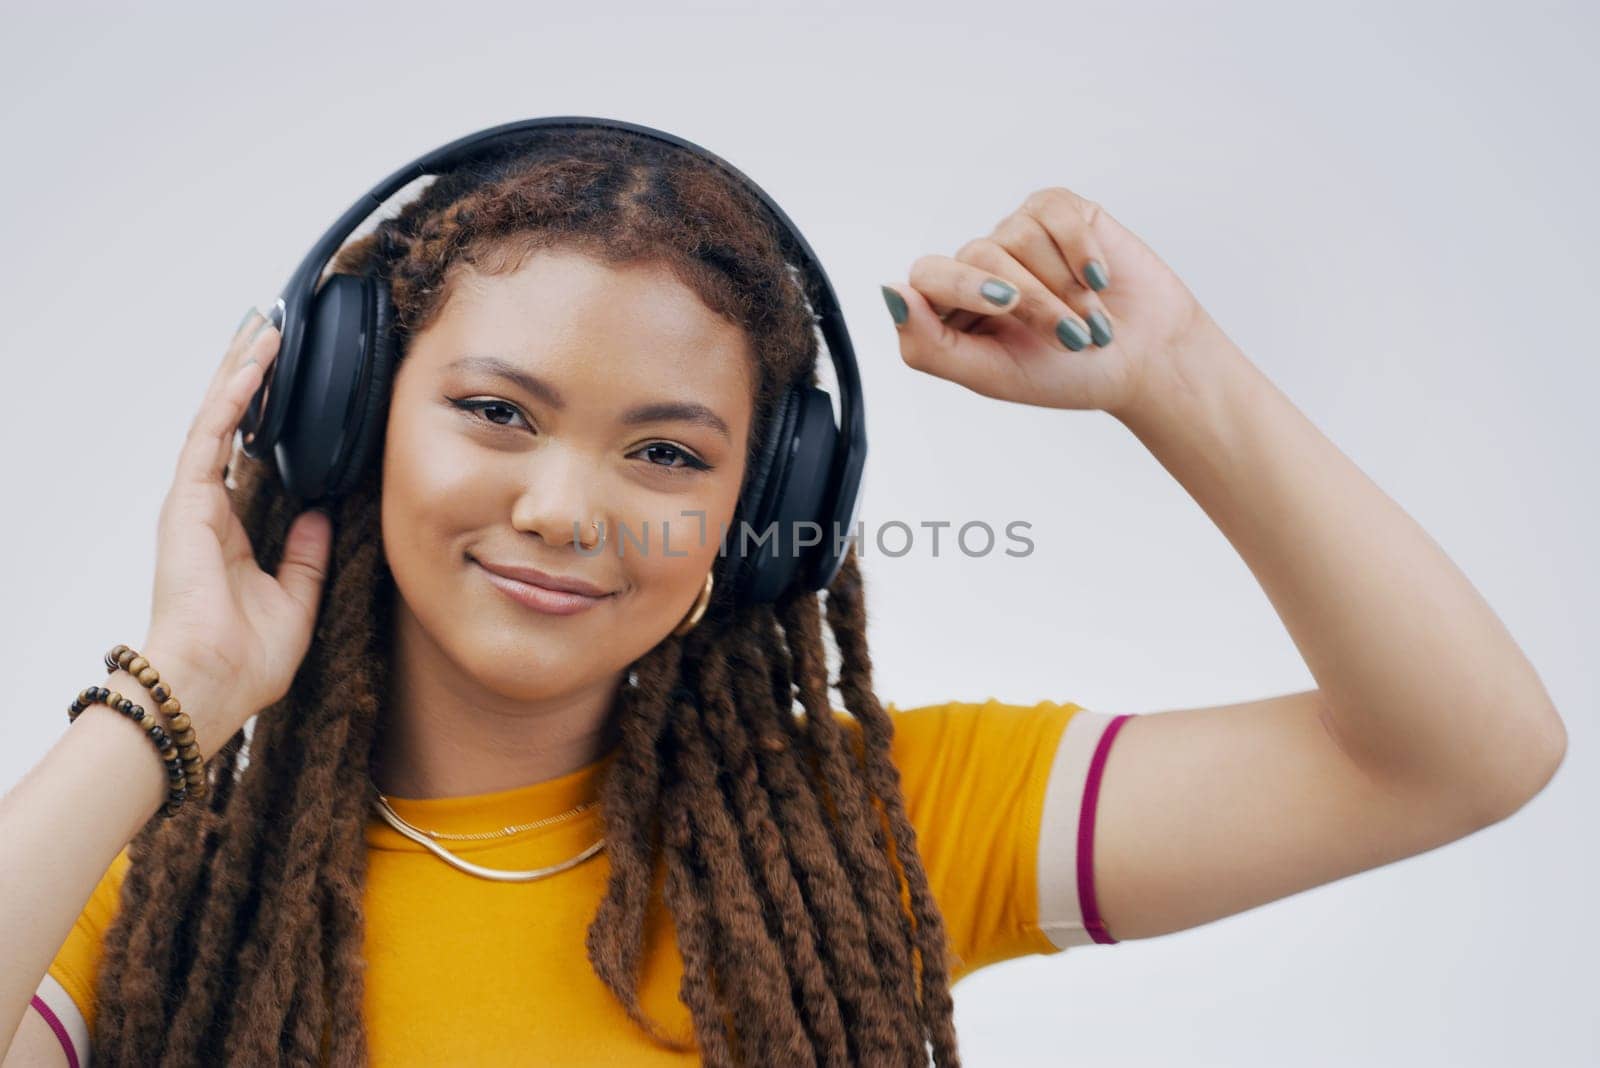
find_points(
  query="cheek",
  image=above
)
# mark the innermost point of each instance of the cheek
(424, 504)
(429, 474)
(685, 533)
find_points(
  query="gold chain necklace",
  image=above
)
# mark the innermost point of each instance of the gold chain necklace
(504, 832)
(426, 840)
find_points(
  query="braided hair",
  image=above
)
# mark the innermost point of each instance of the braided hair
(808, 931)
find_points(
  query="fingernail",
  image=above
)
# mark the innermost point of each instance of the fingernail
(997, 292)
(1095, 272)
(1099, 329)
(264, 324)
(897, 305)
(247, 317)
(1071, 334)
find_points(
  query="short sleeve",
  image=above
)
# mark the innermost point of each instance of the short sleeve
(1001, 797)
(65, 997)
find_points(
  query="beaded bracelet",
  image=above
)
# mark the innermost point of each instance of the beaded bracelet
(178, 790)
(179, 750)
(127, 659)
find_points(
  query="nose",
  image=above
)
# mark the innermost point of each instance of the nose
(560, 503)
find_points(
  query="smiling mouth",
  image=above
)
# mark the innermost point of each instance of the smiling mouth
(541, 598)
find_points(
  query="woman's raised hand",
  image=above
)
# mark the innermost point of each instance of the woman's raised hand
(215, 610)
(1092, 318)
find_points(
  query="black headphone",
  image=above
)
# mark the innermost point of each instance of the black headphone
(323, 422)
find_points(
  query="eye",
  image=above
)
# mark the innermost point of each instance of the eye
(664, 453)
(478, 406)
(690, 461)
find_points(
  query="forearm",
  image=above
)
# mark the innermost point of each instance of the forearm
(63, 824)
(1421, 682)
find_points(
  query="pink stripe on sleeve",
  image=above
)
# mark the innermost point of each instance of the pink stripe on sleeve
(59, 1028)
(1091, 791)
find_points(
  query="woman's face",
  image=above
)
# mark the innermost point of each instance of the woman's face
(565, 393)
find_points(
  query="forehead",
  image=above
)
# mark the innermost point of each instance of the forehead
(632, 328)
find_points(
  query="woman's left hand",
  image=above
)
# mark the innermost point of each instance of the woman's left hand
(1065, 257)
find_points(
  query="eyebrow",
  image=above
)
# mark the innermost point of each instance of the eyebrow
(655, 412)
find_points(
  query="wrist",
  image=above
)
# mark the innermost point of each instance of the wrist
(1188, 387)
(197, 690)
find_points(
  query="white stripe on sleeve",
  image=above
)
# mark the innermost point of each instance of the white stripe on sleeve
(53, 994)
(1060, 911)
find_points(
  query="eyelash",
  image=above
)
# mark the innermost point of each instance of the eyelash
(691, 461)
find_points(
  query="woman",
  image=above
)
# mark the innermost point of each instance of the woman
(781, 882)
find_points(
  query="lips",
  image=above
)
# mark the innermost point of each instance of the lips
(534, 577)
(539, 598)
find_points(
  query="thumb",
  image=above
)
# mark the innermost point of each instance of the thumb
(305, 557)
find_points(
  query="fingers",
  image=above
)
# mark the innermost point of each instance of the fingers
(234, 354)
(978, 362)
(1067, 220)
(1071, 325)
(950, 283)
(304, 567)
(1046, 251)
(209, 443)
(1060, 305)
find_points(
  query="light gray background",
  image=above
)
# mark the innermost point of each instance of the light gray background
(1387, 205)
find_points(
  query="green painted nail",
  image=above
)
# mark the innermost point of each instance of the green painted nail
(897, 305)
(252, 313)
(1071, 334)
(1095, 272)
(1099, 329)
(997, 292)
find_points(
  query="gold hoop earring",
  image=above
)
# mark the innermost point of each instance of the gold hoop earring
(698, 610)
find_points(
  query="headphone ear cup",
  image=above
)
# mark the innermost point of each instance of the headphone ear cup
(371, 409)
(794, 476)
(755, 506)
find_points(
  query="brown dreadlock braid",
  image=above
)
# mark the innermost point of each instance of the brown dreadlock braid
(776, 836)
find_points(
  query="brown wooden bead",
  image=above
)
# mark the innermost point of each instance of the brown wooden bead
(160, 692)
(189, 750)
(124, 654)
(148, 677)
(171, 708)
(180, 721)
(137, 664)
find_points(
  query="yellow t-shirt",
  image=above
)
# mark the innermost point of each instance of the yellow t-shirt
(462, 970)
